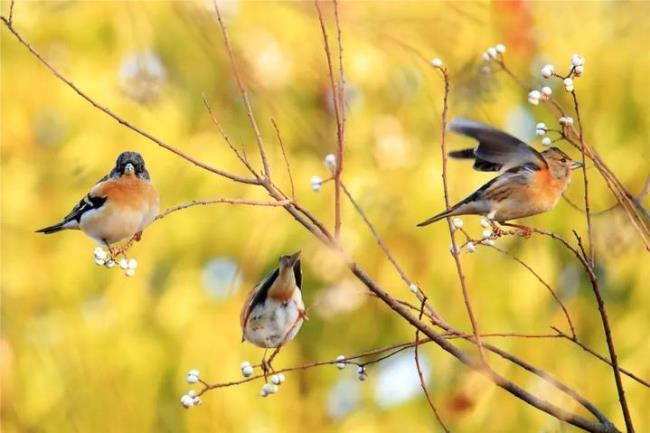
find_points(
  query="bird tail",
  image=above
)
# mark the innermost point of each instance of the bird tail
(462, 154)
(52, 229)
(438, 217)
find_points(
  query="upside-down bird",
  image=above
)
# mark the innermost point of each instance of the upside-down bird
(530, 182)
(274, 310)
(118, 207)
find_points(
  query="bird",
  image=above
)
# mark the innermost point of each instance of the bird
(530, 182)
(118, 207)
(274, 310)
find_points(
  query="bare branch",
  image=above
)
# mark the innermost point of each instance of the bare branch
(286, 159)
(452, 235)
(238, 201)
(339, 107)
(544, 283)
(243, 93)
(421, 376)
(121, 120)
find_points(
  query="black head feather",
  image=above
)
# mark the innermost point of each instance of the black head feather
(133, 158)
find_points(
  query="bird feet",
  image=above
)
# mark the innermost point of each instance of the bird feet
(121, 251)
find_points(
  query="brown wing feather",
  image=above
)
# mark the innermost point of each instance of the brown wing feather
(496, 150)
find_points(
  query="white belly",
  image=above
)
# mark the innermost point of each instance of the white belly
(274, 323)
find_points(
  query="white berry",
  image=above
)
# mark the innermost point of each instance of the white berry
(340, 362)
(436, 63)
(316, 183)
(546, 141)
(457, 223)
(471, 247)
(547, 70)
(500, 48)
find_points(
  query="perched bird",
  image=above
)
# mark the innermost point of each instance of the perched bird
(118, 207)
(274, 310)
(530, 182)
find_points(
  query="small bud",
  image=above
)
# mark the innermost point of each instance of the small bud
(566, 121)
(275, 379)
(246, 369)
(547, 70)
(454, 250)
(436, 63)
(99, 253)
(492, 52)
(546, 141)
(547, 91)
(191, 379)
(413, 288)
(282, 377)
(267, 389)
(533, 97)
(361, 373)
(109, 263)
(99, 262)
(132, 264)
(471, 247)
(486, 57)
(485, 223)
(124, 264)
(194, 372)
(578, 71)
(187, 401)
(129, 272)
(577, 60)
(486, 233)
(330, 162)
(457, 223)
(340, 362)
(191, 393)
(500, 48)
(316, 183)
(197, 401)
(568, 84)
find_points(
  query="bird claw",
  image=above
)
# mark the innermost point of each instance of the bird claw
(302, 314)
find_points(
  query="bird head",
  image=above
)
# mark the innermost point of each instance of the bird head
(130, 164)
(559, 162)
(289, 261)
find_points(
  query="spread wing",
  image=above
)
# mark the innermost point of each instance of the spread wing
(496, 150)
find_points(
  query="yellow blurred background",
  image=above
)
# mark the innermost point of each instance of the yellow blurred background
(86, 349)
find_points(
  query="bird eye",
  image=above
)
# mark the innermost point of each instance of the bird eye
(563, 160)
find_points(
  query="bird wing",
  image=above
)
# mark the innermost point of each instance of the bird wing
(496, 150)
(257, 296)
(297, 272)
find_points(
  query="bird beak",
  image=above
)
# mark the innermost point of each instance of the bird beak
(575, 164)
(129, 168)
(293, 258)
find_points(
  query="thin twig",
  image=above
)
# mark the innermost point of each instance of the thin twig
(454, 247)
(121, 120)
(590, 232)
(243, 93)
(544, 283)
(340, 119)
(421, 375)
(286, 159)
(586, 348)
(11, 12)
(238, 201)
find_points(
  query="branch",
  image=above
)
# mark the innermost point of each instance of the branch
(421, 376)
(286, 159)
(240, 201)
(121, 120)
(339, 112)
(243, 93)
(452, 235)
